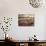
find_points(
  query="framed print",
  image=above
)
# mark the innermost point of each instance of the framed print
(25, 20)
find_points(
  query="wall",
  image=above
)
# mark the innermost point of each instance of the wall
(11, 8)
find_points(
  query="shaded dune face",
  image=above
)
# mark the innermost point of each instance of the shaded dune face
(29, 21)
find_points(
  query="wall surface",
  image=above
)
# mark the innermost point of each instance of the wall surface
(11, 8)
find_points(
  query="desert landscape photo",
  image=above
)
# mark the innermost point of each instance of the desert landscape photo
(26, 20)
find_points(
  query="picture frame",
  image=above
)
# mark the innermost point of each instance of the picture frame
(26, 20)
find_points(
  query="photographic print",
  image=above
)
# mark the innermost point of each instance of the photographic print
(25, 20)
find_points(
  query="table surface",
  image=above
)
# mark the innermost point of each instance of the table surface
(2, 40)
(42, 41)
